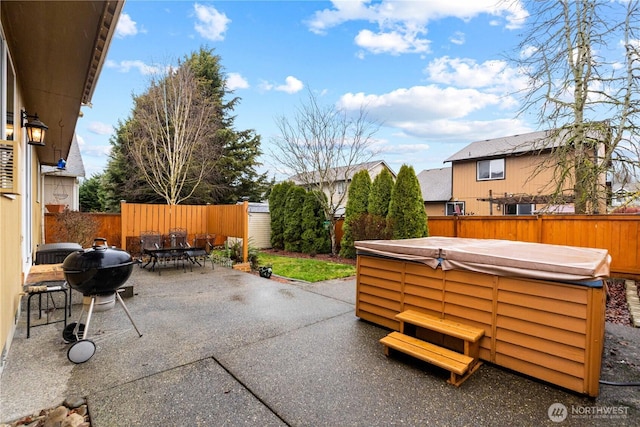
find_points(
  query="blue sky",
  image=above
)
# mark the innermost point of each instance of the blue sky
(433, 71)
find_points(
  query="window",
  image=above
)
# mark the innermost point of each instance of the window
(519, 209)
(490, 169)
(455, 208)
(8, 168)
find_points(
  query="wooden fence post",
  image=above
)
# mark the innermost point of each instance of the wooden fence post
(245, 231)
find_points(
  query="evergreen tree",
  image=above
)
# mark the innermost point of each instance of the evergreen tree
(406, 215)
(357, 205)
(231, 155)
(121, 179)
(234, 174)
(293, 219)
(277, 201)
(380, 195)
(91, 195)
(374, 225)
(315, 237)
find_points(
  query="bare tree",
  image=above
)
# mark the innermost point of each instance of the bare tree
(168, 139)
(321, 146)
(582, 64)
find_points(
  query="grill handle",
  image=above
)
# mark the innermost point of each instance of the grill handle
(101, 240)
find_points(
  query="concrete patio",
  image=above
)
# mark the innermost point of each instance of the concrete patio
(222, 347)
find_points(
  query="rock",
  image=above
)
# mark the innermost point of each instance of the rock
(74, 402)
(81, 410)
(56, 416)
(73, 420)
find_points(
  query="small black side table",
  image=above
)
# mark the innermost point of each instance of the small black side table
(46, 289)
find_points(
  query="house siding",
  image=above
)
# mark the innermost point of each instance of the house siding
(435, 208)
(521, 177)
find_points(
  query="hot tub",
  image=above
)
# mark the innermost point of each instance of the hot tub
(542, 306)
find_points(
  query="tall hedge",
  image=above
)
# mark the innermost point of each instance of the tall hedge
(315, 237)
(407, 216)
(357, 205)
(380, 195)
(293, 219)
(277, 200)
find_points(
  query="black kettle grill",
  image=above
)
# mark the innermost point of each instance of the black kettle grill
(97, 272)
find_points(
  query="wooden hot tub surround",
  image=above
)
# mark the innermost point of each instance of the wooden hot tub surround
(550, 330)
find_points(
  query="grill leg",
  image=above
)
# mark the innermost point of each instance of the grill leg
(128, 314)
(86, 326)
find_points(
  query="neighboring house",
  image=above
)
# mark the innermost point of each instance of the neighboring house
(502, 176)
(61, 186)
(340, 177)
(435, 185)
(51, 54)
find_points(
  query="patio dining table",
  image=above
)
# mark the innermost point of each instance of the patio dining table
(171, 253)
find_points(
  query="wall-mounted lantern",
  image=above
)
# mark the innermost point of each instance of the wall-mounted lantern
(36, 130)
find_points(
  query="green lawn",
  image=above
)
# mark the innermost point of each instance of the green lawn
(309, 270)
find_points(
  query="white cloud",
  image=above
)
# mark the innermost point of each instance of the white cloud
(392, 42)
(468, 130)
(291, 85)
(126, 26)
(211, 24)
(494, 75)
(100, 128)
(128, 65)
(438, 113)
(457, 38)
(420, 103)
(236, 81)
(398, 23)
(528, 51)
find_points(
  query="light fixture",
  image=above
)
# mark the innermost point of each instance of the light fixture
(36, 130)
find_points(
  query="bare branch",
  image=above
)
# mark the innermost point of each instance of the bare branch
(321, 147)
(168, 137)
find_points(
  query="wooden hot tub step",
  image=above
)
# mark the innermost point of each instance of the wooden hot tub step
(458, 364)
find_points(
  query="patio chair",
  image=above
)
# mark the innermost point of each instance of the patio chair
(150, 243)
(202, 245)
(177, 237)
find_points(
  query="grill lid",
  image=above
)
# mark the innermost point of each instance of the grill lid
(98, 269)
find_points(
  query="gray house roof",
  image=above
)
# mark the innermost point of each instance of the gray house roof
(436, 184)
(343, 173)
(508, 145)
(74, 167)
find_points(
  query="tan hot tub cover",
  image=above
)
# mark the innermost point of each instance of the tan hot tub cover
(499, 257)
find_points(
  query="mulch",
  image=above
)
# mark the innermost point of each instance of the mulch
(617, 309)
(320, 257)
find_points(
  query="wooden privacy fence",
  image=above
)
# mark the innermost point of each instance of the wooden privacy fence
(618, 233)
(108, 226)
(220, 220)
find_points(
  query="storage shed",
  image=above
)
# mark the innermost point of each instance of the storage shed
(542, 307)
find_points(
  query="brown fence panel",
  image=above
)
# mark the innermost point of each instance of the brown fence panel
(226, 220)
(138, 218)
(443, 226)
(522, 229)
(109, 227)
(222, 220)
(619, 234)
